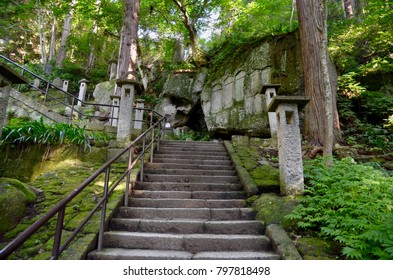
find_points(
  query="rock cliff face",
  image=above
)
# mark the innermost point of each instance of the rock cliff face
(232, 101)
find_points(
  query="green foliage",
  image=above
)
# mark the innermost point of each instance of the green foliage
(348, 85)
(195, 136)
(37, 132)
(351, 204)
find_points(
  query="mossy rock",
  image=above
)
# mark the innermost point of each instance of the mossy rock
(30, 195)
(272, 209)
(12, 207)
(267, 178)
(314, 248)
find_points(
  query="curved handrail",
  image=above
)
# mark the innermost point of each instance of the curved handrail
(67, 96)
(59, 208)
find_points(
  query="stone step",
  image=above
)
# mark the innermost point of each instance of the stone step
(192, 143)
(186, 242)
(189, 172)
(189, 178)
(137, 254)
(186, 203)
(190, 187)
(214, 214)
(194, 161)
(189, 194)
(191, 149)
(191, 156)
(184, 226)
(187, 166)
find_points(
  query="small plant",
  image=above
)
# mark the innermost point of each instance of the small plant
(351, 204)
(37, 132)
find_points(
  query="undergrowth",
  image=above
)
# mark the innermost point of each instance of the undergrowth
(37, 132)
(351, 204)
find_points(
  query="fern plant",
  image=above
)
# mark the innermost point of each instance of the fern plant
(351, 204)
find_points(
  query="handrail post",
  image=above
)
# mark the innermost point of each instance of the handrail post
(152, 137)
(46, 92)
(128, 180)
(72, 108)
(158, 136)
(143, 159)
(59, 230)
(103, 209)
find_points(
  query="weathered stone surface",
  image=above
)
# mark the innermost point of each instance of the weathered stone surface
(232, 102)
(282, 243)
(103, 91)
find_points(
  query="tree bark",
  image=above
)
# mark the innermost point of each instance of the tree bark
(329, 122)
(128, 52)
(348, 6)
(41, 36)
(310, 26)
(52, 40)
(64, 36)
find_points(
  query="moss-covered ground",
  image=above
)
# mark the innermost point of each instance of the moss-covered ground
(61, 177)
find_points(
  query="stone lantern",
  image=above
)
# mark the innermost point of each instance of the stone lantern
(138, 122)
(124, 125)
(270, 91)
(82, 91)
(287, 109)
(7, 77)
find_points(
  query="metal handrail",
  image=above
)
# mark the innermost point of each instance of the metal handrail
(68, 96)
(60, 207)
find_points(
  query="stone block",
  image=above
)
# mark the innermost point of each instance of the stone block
(239, 85)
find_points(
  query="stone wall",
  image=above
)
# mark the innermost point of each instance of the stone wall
(232, 101)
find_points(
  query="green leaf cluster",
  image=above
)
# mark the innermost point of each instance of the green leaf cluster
(37, 132)
(351, 204)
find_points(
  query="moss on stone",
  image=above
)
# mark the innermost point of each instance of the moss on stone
(30, 195)
(267, 178)
(272, 208)
(12, 207)
(314, 248)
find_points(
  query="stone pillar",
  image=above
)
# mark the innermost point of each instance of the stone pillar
(270, 91)
(65, 85)
(82, 91)
(113, 70)
(124, 129)
(115, 112)
(289, 142)
(138, 123)
(7, 77)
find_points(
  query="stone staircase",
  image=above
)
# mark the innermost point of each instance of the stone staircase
(190, 205)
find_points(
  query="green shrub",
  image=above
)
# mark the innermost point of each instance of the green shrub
(351, 204)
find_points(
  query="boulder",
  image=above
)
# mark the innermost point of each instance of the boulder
(103, 91)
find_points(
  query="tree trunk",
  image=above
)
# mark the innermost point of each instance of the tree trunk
(91, 60)
(41, 36)
(128, 52)
(64, 36)
(348, 6)
(192, 33)
(52, 40)
(329, 122)
(311, 27)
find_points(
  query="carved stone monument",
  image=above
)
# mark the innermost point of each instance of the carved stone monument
(287, 109)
